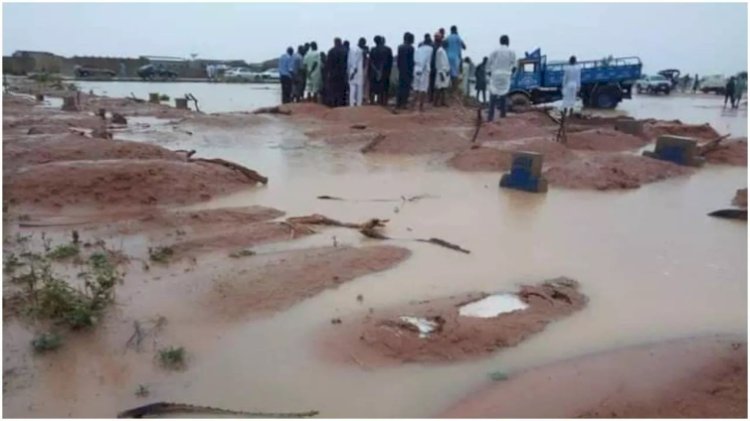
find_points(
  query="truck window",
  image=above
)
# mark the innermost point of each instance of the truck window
(528, 67)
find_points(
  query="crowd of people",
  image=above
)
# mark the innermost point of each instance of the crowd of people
(354, 75)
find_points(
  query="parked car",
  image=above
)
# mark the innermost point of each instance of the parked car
(653, 85)
(151, 72)
(271, 75)
(242, 74)
(713, 83)
(84, 71)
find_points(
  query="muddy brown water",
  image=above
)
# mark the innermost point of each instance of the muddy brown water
(653, 265)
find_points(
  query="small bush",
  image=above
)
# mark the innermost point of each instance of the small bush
(160, 254)
(164, 97)
(64, 251)
(142, 391)
(172, 358)
(498, 376)
(46, 342)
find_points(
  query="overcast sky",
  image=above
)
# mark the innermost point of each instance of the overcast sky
(693, 37)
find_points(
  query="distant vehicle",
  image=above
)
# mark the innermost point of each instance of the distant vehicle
(653, 85)
(271, 75)
(85, 71)
(604, 83)
(151, 72)
(713, 83)
(673, 75)
(242, 74)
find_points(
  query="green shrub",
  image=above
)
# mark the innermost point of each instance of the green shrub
(172, 358)
(64, 251)
(46, 342)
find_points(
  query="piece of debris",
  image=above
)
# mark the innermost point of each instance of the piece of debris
(360, 298)
(250, 174)
(358, 126)
(326, 197)
(373, 143)
(740, 198)
(445, 244)
(273, 110)
(336, 321)
(161, 408)
(739, 214)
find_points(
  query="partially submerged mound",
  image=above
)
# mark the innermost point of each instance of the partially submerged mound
(604, 139)
(29, 150)
(612, 171)
(687, 378)
(730, 152)
(517, 126)
(456, 328)
(293, 276)
(121, 183)
(499, 158)
(655, 128)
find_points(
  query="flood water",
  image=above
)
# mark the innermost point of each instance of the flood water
(653, 265)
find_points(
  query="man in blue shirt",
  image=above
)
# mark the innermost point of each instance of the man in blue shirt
(298, 76)
(455, 45)
(285, 72)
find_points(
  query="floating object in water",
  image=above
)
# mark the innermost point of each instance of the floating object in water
(740, 214)
(425, 326)
(492, 306)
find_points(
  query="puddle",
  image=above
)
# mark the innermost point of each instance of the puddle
(492, 306)
(425, 326)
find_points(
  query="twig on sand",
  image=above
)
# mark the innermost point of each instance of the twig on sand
(373, 143)
(191, 97)
(369, 228)
(443, 243)
(159, 408)
(247, 172)
(478, 125)
(134, 98)
(711, 145)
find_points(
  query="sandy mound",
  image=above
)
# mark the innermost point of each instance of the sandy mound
(28, 150)
(612, 171)
(499, 158)
(689, 378)
(740, 198)
(517, 126)
(604, 139)
(129, 107)
(296, 275)
(385, 337)
(731, 152)
(112, 183)
(306, 110)
(653, 129)
(419, 141)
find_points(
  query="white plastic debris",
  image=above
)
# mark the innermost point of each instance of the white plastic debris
(492, 306)
(425, 326)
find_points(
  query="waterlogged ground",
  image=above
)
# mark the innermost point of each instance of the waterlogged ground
(653, 265)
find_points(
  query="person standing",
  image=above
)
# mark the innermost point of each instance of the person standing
(696, 83)
(480, 84)
(376, 74)
(571, 85)
(387, 69)
(422, 67)
(501, 65)
(405, 64)
(453, 49)
(285, 73)
(466, 71)
(442, 74)
(355, 65)
(739, 88)
(336, 70)
(298, 75)
(312, 64)
(729, 92)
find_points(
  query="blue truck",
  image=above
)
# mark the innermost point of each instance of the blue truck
(604, 83)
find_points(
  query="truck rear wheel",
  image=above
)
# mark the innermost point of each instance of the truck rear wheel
(606, 97)
(519, 102)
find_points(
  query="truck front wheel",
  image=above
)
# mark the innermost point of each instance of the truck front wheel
(519, 101)
(606, 97)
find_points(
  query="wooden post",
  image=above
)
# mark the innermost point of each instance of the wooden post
(181, 103)
(153, 98)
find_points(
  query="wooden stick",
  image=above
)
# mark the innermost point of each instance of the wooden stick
(711, 145)
(250, 174)
(445, 244)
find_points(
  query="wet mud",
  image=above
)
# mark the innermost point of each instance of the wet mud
(437, 330)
